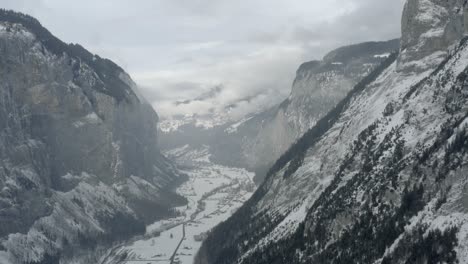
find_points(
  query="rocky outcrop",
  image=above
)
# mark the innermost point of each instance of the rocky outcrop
(428, 28)
(80, 165)
(380, 178)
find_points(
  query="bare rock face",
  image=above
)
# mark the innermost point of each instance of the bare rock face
(429, 28)
(80, 165)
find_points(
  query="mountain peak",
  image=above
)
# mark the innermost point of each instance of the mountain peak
(113, 84)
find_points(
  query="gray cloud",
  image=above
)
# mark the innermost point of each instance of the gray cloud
(211, 94)
(179, 49)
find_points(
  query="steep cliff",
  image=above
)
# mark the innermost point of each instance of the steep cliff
(382, 177)
(256, 141)
(80, 165)
(429, 29)
(318, 87)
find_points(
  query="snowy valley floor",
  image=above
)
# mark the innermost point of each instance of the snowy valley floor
(214, 192)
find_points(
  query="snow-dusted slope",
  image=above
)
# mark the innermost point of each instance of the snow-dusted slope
(257, 140)
(318, 87)
(382, 177)
(79, 160)
(214, 193)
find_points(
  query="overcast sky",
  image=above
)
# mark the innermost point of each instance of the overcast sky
(179, 49)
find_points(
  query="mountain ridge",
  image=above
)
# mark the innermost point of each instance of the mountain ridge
(258, 139)
(384, 182)
(104, 67)
(81, 163)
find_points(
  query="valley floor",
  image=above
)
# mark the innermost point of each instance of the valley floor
(213, 192)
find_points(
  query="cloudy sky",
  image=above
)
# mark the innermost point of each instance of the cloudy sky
(182, 49)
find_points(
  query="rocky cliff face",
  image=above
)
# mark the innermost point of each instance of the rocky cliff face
(379, 179)
(258, 140)
(80, 165)
(318, 87)
(428, 28)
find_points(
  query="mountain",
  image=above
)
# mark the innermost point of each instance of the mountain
(381, 178)
(317, 88)
(80, 164)
(257, 140)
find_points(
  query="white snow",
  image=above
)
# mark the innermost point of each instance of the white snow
(364, 109)
(383, 55)
(462, 249)
(233, 128)
(91, 118)
(214, 192)
(205, 122)
(430, 12)
(433, 33)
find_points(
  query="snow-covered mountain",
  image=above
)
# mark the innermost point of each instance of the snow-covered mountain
(382, 177)
(257, 140)
(79, 160)
(221, 112)
(318, 87)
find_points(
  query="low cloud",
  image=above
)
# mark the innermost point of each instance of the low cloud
(177, 50)
(265, 71)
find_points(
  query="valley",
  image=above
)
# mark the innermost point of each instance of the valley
(213, 192)
(366, 160)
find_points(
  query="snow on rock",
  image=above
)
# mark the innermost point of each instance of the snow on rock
(233, 128)
(428, 28)
(73, 132)
(383, 55)
(380, 176)
(214, 193)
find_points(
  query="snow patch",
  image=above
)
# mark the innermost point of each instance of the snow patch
(384, 55)
(233, 128)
